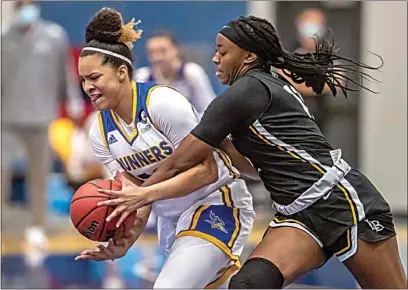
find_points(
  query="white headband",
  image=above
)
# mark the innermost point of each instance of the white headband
(108, 53)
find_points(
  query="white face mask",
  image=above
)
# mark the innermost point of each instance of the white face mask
(28, 14)
(309, 29)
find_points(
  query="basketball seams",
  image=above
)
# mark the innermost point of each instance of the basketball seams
(106, 213)
(96, 213)
(94, 184)
(88, 196)
(86, 215)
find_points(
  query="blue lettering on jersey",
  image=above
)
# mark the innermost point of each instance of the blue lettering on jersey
(146, 157)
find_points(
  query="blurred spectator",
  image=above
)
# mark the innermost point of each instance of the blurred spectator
(71, 143)
(36, 72)
(310, 22)
(168, 68)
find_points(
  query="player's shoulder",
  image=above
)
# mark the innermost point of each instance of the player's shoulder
(142, 74)
(95, 125)
(246, 83)
(164, 95)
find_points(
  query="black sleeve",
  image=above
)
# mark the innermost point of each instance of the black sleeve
(240, 104)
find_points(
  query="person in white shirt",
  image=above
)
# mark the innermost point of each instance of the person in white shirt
(139, 125)
(168, 68)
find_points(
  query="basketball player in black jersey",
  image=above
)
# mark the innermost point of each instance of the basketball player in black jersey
(324, 207)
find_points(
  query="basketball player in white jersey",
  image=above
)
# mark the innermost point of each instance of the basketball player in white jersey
(203, 229)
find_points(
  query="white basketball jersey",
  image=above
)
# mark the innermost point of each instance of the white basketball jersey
(162, 117)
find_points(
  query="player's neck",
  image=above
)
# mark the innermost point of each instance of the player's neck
(125, 107)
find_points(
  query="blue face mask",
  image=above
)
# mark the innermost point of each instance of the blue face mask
(28, 14)
(310, 29)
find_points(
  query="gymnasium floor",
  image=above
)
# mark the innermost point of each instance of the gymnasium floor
(138, 269)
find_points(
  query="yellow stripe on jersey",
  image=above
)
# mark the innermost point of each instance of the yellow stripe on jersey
(197, 215)
(211, 239)
(102, 130)
(237, 227)
(224, 277)
(134, 110)
(348, 246)
(227, 163)
(226, 195)
(317, 167)
(290, 220)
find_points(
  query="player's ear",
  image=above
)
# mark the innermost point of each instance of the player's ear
(250, 57)
(122, 73)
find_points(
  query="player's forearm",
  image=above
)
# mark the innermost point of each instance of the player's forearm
(190, 153)
(142, 214)
(186, 182)
(238, 160)
(142, 217)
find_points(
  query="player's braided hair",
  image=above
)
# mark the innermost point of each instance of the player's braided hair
(314, 69)
(107, 31)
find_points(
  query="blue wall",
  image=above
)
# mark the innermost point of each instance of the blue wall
(192, 22)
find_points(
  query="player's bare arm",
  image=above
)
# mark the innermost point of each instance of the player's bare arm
(238, 160)
(133, 197)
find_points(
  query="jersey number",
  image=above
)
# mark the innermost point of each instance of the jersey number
(299, 98)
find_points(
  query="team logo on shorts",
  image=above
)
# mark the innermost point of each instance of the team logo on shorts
(216, 222)
(375, 225)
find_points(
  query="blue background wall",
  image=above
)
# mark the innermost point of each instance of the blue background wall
(192, 22)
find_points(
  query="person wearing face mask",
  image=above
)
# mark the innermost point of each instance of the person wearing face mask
(310, 23)
(168, 68)
(36, 72)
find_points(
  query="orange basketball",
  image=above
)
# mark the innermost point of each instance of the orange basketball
(90, 219)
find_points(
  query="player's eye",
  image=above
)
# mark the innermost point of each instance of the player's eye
(94, 77)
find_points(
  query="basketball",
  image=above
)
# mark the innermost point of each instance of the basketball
(90, 219)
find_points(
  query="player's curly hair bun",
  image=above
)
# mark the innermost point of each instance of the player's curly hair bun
(107, 26)
(128, 34)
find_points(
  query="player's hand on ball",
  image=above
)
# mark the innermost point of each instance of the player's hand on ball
(127, 200)
(114, 250)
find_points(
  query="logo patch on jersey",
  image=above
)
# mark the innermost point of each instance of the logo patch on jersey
(143, 117)
(145, 128)
(112, 139)
(216, 222)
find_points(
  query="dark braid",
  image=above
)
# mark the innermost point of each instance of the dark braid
(314, 69)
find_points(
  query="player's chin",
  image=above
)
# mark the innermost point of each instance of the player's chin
(222, 79)
(101, 104)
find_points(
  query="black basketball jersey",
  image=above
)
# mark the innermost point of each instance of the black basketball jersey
(282, 140)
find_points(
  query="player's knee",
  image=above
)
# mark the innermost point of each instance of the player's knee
(257, 273)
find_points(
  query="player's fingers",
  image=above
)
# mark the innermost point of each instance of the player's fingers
(114, 193)
(138, 204)
(83, 257)
(88, 252)
(96, 257)
(124, 215)
(100, 247)
(118, 210)
(111, 202)
(111, 244)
